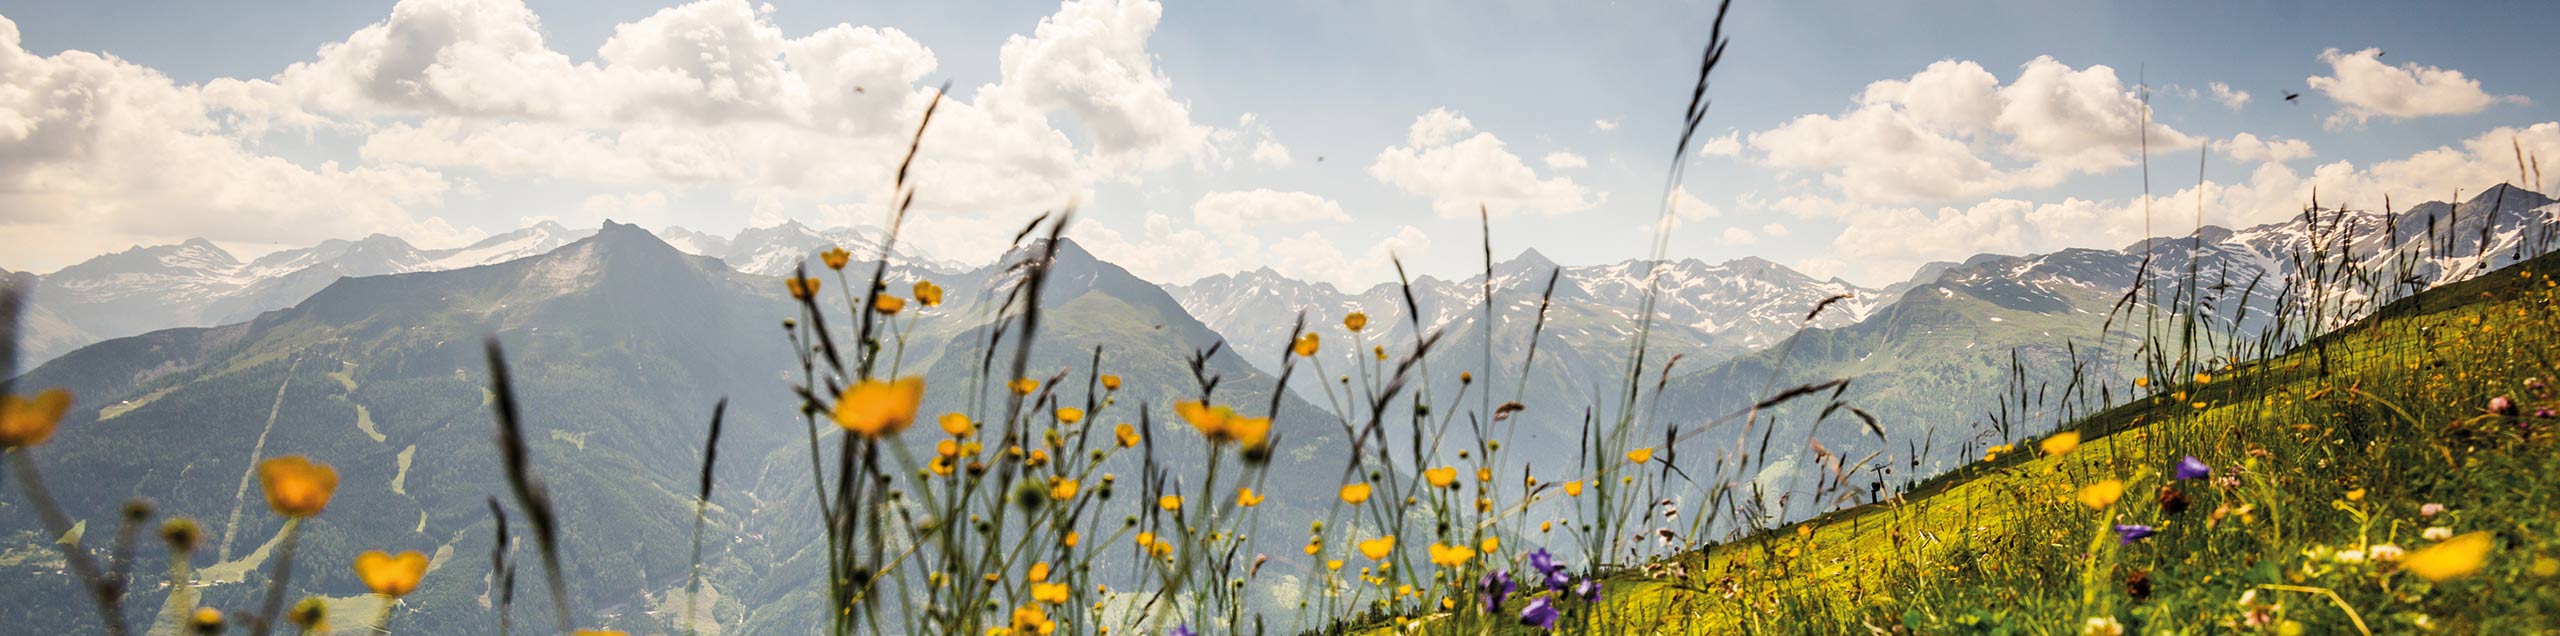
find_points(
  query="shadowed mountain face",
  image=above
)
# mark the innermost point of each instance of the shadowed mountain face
(620, 344)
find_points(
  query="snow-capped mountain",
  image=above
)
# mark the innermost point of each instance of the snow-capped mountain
(778, 250)
(199, 284)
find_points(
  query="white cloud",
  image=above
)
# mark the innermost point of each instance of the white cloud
(1688, 206)
(1730, 144)
(2232, 99)
(2248, 147)
(1271, 152)
(1565, 161)
(97, 153)
(1238, 213)
(1734, 236)
(1774, 230)
(1458, 174)
(610, 204)
(2366, 87)
(1604, 125)
(1925, 137)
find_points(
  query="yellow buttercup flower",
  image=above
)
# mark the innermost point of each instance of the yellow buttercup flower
(1169, 502)
(296, 486)
(875, 409)
(388, 575)
(1306, 345)
(2102, 494)
(1333, 564)
(1450, 556)
(928, 294)
(888, 305)
(958, 425)
(1377, 549)
(835, 257)
(1030, 619)
(1039, 572)
(2453, 558)
(1062, 489)
(1573, 489)
(1356, 321)
(801, 288)
(2142, 382)
(30, 421)
(1247, 497)
(1127, 435)
(1484, 475)
(1051, 593)
(1355, 493)
(1442, 477)
(1491, 545)
(2061, 443)
(1110, 382)
(205, 620)
(2202, 378)
(1223, 424)
(1640, 455)
(1070, 414)
(1023, 386)
(1380, 351)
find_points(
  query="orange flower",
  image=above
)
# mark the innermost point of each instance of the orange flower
(888, 305)
(28, 422)
(1356, 321)
(1355, 493)
(958, 425)
(2061, 443)
(1306, 345)
(1051, 593)
(1451, 556)
(872, 408)
(835, 257)
(2100, 495)
(1110, 383)
(296, 486)
(1127, 435)
(1223, 424)
(928, 293)
(393, 576)
(1377, 549)
(1023, 386)
(1640, 455)
(1062, 489)
(1247, 497)
(1070, 414)
(1442, 477)
(801, 288)
(1573, 489)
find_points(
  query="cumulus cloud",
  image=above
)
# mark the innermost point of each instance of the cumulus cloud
(1604, 125)
(2365, 87)
(1953, 131)
(1459, 172)
(1725, 146)
(1734, 237)
(98, 153)
(1164, 249)
(606, 205)
(2248, 147)
(2228, 97)
(1685, 205)
(1241, 212)
(1565, 161)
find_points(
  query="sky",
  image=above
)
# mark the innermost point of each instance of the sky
(1850, 139)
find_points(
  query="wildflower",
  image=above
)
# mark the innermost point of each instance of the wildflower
(1380, 351)
(1169, 502)
(1484, 475)
(1110, 382)
(835, 257)
(1377, 549)
(2061, 443)
(2102, 626)
(1030, 619)
(205, 620)
(393, 576)
(2142, 382)
(2202, 378)
(2099, 496)
(1573, 489)
(958, 425)
(2386, 553)
(29, 421)
(2451, 559)
(1539, 614)
(1442, 477)
(875, 409)
(2349, 557)
(1223, 424)
(1491, 589)
(801, 288)
(2436, 533)
(928, 294)
(1070, 414)
(2191, 468)
(1490, 545)
(1127, 435)
(1354, 493)
(1641, 455)
(2355, 495)
(1051, 593)
(1062, 489)
(296, 486)
(1023, 386)
(1306, 345)
(2430, 510)
(2502, 406)
(888, 305)
(1451, 556)
(308, 614)
(2127, 534)
(1355, 321)
(181, 534)
(1588, 589)
(1247, 497)
(1182, 630)
(2172, 500)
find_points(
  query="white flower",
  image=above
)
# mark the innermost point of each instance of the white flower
(2437, 533)
(2102, 626)
(2350, 556)
(2386, 553)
